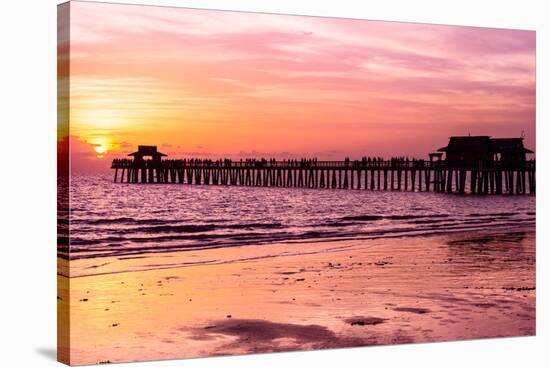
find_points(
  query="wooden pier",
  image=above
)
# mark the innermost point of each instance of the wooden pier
(496, 177)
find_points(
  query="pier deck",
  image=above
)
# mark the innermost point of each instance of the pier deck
(382, 175)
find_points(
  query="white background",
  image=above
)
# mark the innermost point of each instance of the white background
(27, 193)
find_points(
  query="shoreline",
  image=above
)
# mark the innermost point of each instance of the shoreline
(322, 244)
(465, 285)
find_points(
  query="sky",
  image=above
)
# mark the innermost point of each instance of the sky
(211, 84)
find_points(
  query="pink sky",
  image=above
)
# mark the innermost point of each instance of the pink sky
(213, 83)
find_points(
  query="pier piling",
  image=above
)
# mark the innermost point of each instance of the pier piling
(373, 175)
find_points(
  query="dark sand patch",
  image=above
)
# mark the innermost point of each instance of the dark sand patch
(363, 321)
(98, 265)
(499, 238)
(417, 310)
(265, 336)
(264, 331)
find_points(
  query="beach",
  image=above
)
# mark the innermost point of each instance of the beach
(314, 295)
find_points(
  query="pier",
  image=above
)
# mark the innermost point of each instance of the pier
(375, 174)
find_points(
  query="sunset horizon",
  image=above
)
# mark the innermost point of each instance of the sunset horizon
(213, 84)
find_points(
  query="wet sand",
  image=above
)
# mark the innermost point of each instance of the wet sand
(308, 296)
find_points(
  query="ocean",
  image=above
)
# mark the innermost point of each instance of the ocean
(119, 219)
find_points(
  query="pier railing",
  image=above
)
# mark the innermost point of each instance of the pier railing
(411, 164)
(483, 177)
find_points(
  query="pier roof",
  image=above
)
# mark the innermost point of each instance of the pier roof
(467, 143)
(509, 145)
(459, 144)
(147, 150)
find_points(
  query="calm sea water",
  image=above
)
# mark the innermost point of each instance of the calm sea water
(114, 219)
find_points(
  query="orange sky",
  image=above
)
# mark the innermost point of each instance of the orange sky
(211, 84)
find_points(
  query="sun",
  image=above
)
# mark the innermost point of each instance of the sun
(100, 145)
(100, 149)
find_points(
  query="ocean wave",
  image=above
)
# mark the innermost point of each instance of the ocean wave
(120, 245)
(391, 217)
(129, 220)
(121, 220)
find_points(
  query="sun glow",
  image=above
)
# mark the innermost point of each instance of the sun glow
(101, 145)
(100, 149)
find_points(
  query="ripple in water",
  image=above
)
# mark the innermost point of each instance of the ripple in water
(109, 219)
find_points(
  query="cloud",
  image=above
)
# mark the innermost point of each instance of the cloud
(265, 83)
(84, 159)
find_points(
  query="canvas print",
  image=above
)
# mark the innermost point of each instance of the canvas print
(234, 183)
